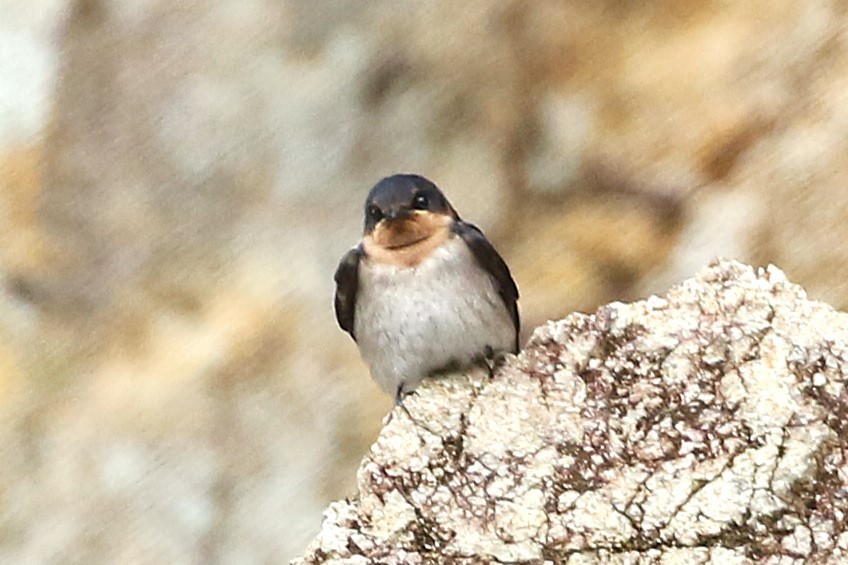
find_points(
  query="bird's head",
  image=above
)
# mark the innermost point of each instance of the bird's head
(406, 216)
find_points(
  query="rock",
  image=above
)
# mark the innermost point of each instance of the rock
(705, 426)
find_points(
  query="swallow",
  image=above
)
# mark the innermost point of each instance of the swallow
(423, 291)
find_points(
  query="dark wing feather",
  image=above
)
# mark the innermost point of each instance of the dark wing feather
(488, 258)
(347, 284)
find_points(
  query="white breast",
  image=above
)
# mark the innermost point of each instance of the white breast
(412, 321)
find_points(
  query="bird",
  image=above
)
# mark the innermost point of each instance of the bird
(423, 291)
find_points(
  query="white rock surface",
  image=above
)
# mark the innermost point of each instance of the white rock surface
(705, 427)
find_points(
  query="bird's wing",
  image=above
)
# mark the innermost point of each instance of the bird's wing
(347, 285)
(488, 258)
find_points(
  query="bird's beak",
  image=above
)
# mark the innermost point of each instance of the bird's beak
(395, 215)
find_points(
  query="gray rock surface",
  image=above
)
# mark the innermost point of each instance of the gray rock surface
(707, 426)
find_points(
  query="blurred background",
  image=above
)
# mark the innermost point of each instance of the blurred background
(178, 179)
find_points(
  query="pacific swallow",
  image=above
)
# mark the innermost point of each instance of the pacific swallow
(423, 291)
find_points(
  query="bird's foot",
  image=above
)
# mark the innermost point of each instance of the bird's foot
(492, 360)
(400, 395)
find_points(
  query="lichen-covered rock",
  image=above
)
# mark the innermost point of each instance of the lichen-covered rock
(708, 426)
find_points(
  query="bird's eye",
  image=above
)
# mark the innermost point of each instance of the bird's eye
(375, 212)
(420, 202)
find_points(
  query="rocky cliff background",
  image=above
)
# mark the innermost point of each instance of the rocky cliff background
(178, 179)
